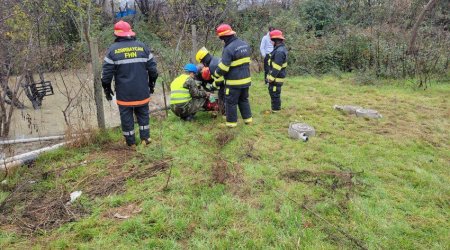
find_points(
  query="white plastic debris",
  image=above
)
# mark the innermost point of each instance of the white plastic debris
(74, 196)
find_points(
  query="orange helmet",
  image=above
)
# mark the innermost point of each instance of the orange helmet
(224, 30)
(276, 34)
(206, 74)
(123, 29)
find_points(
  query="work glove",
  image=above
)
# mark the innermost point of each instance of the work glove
(108, 93)
(151, 85)
(217, 84)
(152, 82)
(209, 87)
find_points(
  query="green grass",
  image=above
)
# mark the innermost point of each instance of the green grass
(399, 196)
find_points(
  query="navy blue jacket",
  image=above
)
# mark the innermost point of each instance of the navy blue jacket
(133, 67)
(277, 64)
(214, 63)
(235, 64)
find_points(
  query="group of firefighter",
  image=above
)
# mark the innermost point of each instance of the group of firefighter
(133, 67)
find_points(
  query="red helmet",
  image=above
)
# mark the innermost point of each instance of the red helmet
(276, 34)
(206, 74)
(123, 29)
(224, 30)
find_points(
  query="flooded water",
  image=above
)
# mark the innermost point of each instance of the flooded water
(73, 94)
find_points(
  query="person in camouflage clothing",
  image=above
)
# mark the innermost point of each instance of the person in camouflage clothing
(186, 98)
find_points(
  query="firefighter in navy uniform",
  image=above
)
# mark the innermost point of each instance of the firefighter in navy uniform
(235, 68)
(277, 69)
(133, 67)
(210, 64)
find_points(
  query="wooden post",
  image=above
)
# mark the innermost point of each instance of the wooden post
(165, 101)
(194, 42)
(96, 72)
(113, 12)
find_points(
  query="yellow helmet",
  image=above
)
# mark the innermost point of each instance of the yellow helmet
(201, 54)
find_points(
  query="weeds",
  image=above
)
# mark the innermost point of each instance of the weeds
(46, 208)
(358, 183)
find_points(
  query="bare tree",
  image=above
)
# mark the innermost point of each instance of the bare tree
(6, 111)
(411, 48)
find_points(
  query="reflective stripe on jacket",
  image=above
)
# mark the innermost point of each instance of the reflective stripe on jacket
(178, 93)
(278, 64)
(130, 63)
(235, 64)
(212, 68)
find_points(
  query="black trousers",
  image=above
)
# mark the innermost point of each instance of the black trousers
(266, 67)
(237, 97)
(221, 101)
(275, 96)
(127, 121)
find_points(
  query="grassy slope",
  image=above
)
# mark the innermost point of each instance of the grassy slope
(398, 198)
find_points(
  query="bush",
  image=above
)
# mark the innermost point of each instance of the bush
(317, 15)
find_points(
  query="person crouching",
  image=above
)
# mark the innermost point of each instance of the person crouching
(186, 99)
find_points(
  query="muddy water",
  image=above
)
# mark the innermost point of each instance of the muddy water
(73, 93)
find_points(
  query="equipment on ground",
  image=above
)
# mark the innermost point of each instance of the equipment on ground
(301, 131)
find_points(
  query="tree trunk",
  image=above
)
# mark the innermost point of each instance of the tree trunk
(411, 48)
